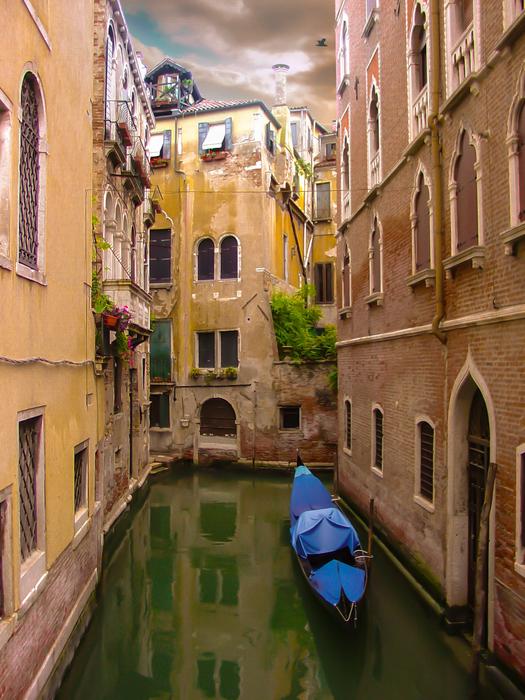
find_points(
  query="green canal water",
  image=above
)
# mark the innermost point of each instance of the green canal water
(201, 598)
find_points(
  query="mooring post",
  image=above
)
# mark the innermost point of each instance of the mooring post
(480, 600)
(370, 526)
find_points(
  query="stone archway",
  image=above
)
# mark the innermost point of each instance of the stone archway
(218, 419)
(471, 446)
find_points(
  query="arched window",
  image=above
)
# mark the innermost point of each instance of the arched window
(343, 52)
(465, 14)
(377, 439)
(466, 195)
(425, 432)
(29, 174)
(346, 280)
(229, 258)
(133, 253)
(374, 122)
(218, 418)
(345, 166)
(422, 226)
(419, 51)
(206, 260)
(521, 163)
(110, 50)
(348, 425)
(375, 259)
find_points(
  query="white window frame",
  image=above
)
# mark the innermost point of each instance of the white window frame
(418, 105)
(217, 348)
(229, 279)
(33, 570)
(519, 563)
(38, 275)
(216, 253)
(513, 157)
(465, 44)
(376, 470)
(418, 497)
(343, 54)
(81, 515)
(345, 165)
(373, 181)
(371, 278)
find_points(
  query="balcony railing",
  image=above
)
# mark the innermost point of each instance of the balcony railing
(120, 124)
(141, 162)
(375, 167)
(420, 112)
(464, 57)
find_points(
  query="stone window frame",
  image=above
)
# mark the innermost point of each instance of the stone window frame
(33, 571)
(454, 40)
(197, 245)
(427, 275)
(343, 54)
(6, 135)
(217, 246)
(219, 258)
(346, 403)
(474, 254)
(299, 427)
(372, 155)
(375, 296)
(217, 347)
(378, 472)
(519, 563)
(417, 98)
(81, 516)
(511, 12)
(418, 497)
(345, 176)
(516, 230)
(346, 309)
(38, 275)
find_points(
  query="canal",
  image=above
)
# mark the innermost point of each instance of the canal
(200, 598)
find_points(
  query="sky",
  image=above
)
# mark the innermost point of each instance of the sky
(231, 45)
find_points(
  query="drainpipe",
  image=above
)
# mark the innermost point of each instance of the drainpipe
(437, 175)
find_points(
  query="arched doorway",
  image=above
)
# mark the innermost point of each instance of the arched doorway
(218, 419)
(478, 463)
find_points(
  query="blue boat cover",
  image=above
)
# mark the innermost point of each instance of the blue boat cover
(308, 493)
(329, 579)
(321, 531)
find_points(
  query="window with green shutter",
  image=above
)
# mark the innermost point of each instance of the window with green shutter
(160, 349)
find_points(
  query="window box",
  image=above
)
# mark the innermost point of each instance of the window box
(214, 155)
(474, 255)
(512, 236)
(375, 298)
(427, 276)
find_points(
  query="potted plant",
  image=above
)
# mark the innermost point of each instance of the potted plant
(195, 373)
(117, 317)
(230, 372)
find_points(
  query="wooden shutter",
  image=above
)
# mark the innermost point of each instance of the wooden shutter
(160, 349)
(229, 258)
(467, 196)
(422, 227)
(323, 200)
(166, 145)
(204, 127)
(206, 260)
(521, 163)
(228, 137)
(160, 255)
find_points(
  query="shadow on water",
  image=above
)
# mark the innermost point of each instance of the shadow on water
(201, 597)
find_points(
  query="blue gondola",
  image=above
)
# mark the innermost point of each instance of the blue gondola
(327, 546)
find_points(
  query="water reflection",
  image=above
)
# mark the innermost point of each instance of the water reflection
(201, 598)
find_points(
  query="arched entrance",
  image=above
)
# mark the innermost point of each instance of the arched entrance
(218, 419)
(478, 464)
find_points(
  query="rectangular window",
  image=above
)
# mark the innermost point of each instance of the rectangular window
(159, 149)
(160, 410)
(160, 352)
(80, 477)
(270, 138)
(324, 284)
(206, 350)
(290, 417)
(160, 256)
(294, 126)
(378, 440)
(322, 203)
(229, 348)
(29, 434)
(117, 385)
(426, 461)
(348, 426)
(215, 137)
(330, 151)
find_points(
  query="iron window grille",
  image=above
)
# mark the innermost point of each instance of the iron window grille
(29, 443)
(426, 473)
(348, 436)
(29, 176)
(378, 439)
(80, 479)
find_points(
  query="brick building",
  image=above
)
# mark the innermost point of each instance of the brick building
(431, 254)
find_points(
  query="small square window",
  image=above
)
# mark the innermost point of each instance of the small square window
(290, 417)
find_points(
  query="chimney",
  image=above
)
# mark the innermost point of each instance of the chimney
(280, 70)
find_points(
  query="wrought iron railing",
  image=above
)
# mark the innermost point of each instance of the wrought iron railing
(120, 124)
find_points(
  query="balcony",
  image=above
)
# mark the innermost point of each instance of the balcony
(463, 57)
(119, 130)
(420, 113)
(141, 162)
(375, 170)
(128, 293)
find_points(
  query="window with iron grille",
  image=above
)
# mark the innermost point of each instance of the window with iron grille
(324, 286)
(378, 439)
(348, 425)
(80, 478)
(29, 175)
(426, 461)
(29, 432)
(160, 255)
(290, 417)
